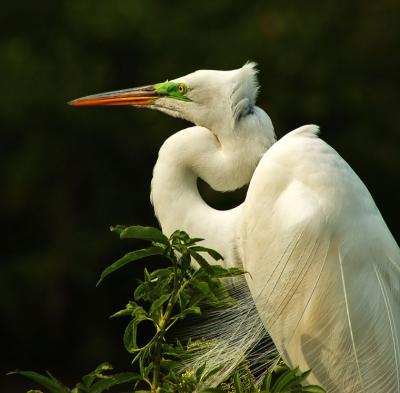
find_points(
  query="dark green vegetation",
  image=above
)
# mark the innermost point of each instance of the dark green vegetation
(164, 297)
(66, 173)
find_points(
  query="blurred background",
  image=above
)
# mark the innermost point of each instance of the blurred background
(68, 173)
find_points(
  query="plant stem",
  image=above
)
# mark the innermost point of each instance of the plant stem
(163, 327)
(157, 364)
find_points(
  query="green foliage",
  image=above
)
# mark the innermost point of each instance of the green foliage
(48, 381)
(162, 298)
(94, 382)
(166, 296)
(280, 379)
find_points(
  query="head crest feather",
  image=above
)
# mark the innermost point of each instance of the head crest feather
(245, 91)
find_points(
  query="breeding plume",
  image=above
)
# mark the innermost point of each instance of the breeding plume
(324, 269)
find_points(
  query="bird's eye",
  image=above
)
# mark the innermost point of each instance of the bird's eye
(181, 89)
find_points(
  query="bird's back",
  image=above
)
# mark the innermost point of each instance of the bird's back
(324, 268)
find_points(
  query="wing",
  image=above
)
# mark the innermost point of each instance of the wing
(324, 268)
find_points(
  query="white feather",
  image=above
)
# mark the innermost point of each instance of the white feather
(329, 309)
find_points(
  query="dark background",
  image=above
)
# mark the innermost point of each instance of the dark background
(68, 173)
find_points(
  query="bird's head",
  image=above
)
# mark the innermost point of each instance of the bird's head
(216, 100)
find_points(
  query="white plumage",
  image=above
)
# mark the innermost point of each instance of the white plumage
(324, 268)
(329, 292)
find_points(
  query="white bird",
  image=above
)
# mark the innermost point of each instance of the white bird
(324, 268)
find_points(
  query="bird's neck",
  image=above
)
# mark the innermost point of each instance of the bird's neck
(185, 156)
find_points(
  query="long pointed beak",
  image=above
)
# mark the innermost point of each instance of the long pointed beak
(140, 96)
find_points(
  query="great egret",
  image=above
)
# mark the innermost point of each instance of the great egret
(324, 268)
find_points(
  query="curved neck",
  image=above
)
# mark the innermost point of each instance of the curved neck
(183, 158)
(196, 152)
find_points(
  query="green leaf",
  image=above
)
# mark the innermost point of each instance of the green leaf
(181, 248)
(237, 383)
(140, 291)
(190, 310)
(214, 254)
(168, 364)
(199, 371)
(195, 240)
(145, 370)
(266, 383)
(201, 261)
(166, 273)
(297, 379)
(88, 379)
(159, 302)
(117, 229)
(129, 257)
(130, 333)
(208, 374)
(313, 389)
(201, 286)
(113, 380)
(80, 388)
(278, 385)
(219, 295)
(286, 380)
(127, 311)
(185, 261)
(49, 382)
(177, 350)
(181, 236)
(221, 272)
(105, 366)
(210, 291)
(145, 233)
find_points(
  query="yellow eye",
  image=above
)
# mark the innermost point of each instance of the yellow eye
(181, 89)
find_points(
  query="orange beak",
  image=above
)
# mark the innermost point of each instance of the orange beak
(139, 96)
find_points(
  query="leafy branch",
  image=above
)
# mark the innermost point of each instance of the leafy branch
(162, 298)
(167, 295)
(96, 381)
